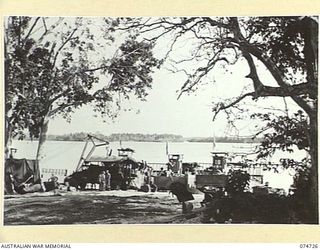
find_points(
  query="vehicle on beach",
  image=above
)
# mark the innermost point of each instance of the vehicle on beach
(125, 172)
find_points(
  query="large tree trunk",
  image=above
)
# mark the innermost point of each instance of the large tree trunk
(309, 32)
(313, 140)
(42, 139)
(7, 139)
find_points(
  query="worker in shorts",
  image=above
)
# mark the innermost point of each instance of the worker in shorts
(102, 181)
(108, 180)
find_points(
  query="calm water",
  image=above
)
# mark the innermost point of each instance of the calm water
(65, 154)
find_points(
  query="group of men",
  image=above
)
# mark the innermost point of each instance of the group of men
(105, 181)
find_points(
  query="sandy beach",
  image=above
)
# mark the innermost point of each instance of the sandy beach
(94, 207)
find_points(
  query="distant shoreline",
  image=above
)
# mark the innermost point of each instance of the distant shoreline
(149, 141)
(138, 137)
(169, 141)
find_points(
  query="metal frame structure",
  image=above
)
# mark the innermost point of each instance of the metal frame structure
(94, 146)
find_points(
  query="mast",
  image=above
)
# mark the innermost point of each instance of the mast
(214, 141)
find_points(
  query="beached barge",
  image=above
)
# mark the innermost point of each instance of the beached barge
(126, 172)
(201, 175)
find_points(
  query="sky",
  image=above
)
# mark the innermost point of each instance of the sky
(162, 112)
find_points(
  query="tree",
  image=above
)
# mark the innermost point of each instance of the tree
(287, 48)
(282, 132)
(53, 66)
(237, 182)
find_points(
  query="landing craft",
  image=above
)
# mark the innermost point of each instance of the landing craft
(125, 171)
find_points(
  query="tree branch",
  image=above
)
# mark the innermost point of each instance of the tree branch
(45, 30)
(95, 69)
(32, 27)
(61, 47)
(215, 23)
(221, 106)
(203, 72)
(62, 106)
(261, 90)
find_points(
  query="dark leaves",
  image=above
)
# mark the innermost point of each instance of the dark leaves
(131, 70)
(238, 181)
(45, 78)
(283, 133)
(280, 39)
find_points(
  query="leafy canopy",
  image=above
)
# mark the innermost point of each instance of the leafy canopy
(54, 66)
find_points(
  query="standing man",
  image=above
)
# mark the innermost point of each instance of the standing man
(121, 183)
(102, 181)
(108, 180)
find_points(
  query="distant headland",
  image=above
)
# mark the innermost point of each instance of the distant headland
(139, 137)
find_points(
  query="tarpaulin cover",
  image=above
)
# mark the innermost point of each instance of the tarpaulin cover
(21, 170)
(114, 159)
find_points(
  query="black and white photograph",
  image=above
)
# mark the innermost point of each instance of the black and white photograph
(160, 120)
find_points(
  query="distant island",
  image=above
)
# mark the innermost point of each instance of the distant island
(119, 137)
(80, 136)
(225, 139)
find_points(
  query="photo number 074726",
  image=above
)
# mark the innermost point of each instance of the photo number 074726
(306, 246)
